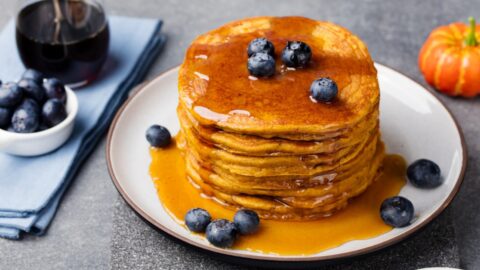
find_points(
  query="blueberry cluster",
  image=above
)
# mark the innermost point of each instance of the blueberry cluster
(261, 56)
(221, 232)
(399, 211)
(296, 54)
(32, 104)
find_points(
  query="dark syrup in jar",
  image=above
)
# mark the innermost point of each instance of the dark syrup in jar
(72, 50)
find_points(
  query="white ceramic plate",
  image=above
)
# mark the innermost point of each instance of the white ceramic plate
(414, 124)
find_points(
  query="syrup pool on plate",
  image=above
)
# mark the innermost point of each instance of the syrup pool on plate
(359, 220)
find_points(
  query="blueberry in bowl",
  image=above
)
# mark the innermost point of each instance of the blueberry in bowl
(29, 104)
(26, 118)
(32, 74)
(54, 89)
(31, 123)
(33, 89)
(53, 112)
(10, 95)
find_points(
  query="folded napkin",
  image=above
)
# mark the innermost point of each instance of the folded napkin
(31, 188)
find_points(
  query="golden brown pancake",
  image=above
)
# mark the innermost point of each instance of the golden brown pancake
(254, 145)
(216, 88)
(297, 166)
(229, 182)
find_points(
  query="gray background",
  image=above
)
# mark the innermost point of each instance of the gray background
(89, 230)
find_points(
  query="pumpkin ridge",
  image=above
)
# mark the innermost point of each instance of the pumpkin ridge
(425, 55)
(439, 67)
(441, 33)
(461, 76)
(471, 86)
(457, 33)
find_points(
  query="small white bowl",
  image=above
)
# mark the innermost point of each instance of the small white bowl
(42, 142)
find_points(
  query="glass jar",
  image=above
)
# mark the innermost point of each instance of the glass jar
(66, 39)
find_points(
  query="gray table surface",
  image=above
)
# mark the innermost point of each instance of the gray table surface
(82, 234)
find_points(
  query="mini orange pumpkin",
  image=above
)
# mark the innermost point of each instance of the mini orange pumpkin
(450, 59)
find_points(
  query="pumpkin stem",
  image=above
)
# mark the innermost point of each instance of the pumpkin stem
(471, 40)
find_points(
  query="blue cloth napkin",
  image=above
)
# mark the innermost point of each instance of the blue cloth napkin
(31, 188)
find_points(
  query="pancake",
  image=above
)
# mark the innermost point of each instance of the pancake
(216, 153)
(330, 134)
(212, 155)
(261, 143)
(278, 166)
(255, 145)
(232, 184)
(217, 90)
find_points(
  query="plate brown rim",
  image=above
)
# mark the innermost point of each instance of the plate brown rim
(259, 256)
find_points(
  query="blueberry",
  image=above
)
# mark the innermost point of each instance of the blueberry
(158, 136)
(26, 117)
(424, 173)
(296, 54)
(32, 74)
(397, 211)
(10, 95)
(29, 105)
(247, 221)
(261, 65)
(5, 117)
(197, 219)
(53, 112)
(221, 233)
(260, 45)
(323, 90)
(33, 90)
(24, 122)
(55, 89)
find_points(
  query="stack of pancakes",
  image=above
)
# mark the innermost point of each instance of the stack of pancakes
(262, 143)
